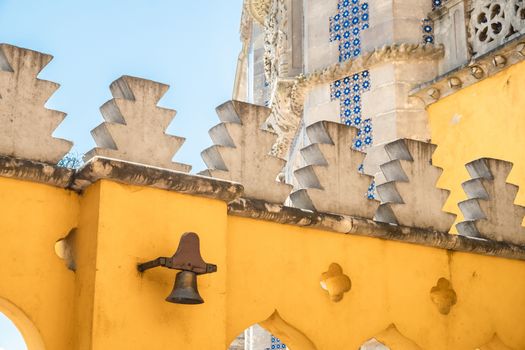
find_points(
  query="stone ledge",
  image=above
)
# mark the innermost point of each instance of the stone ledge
(393, 53)
(255, 209)
(478, 69)
(141, 175)
(35, 171)
(123, 172)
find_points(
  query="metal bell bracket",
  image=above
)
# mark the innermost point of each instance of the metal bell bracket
(186, 258)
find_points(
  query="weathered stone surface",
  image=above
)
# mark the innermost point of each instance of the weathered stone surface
(477, 69)
(140, 175)
(450, 29)
(241, 152)
(26, 125)
(28, 170)
(331, 181)
(261, 210)
(134, 127)
(409, 196)
(490, 211)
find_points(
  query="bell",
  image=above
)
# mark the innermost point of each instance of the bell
(185, 289)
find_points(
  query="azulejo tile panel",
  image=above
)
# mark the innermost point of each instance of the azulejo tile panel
(276, 344)
(346, 26)
(427, 27)
(349, 91)
(437, 3)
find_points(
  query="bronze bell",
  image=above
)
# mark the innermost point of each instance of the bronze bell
(185, 289)
(188, 259)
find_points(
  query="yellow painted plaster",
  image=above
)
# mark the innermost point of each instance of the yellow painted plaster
(32, 277)
(262, 267)
(486, 119)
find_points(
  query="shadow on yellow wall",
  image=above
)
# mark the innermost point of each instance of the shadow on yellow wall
(482, 120)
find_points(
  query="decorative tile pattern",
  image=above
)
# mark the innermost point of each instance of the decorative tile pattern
(437, 3)
(427, 27)
(346, 26)
(276, 344)
(349, 92)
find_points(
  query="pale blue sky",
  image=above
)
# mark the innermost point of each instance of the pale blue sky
(190, 45)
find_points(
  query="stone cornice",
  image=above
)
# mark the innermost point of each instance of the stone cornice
(35, 172)
(255, 209)
(120, 171)
(477, 70)
(141, 175)
(394, 53)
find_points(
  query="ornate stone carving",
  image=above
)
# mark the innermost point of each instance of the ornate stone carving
(135, 125)
(283, 119)
(26, 124)
(480, 68)
(490, 211)
(258, 9)
(276, 42)
(493, 22)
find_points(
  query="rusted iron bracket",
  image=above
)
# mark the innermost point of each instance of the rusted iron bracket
(186, 258)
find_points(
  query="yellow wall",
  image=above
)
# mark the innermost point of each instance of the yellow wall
(262, 267)
(32, 277)
(486, 119)
(274, 266)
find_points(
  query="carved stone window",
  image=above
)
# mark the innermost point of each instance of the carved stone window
(494, 22)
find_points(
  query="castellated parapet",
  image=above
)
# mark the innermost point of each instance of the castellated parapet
(241, 152)
(26, 125)
(331, 181)
(490, 211)
(134, 127)
(408, 192)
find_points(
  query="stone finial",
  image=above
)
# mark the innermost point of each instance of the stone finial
(490, 211)
(241, 152)
(26, 125)
(331, 179)
(409, 196)
(134, 127)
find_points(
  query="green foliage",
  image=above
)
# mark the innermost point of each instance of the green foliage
(71, 161)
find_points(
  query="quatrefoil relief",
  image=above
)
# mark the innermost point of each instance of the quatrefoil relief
(335, 282)
(443, 296)
(491, 23)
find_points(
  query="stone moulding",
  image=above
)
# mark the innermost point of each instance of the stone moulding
(402, 52)
(141, 175)
(99, 168)
(34, 171)
(254, 209)
(478, 69)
